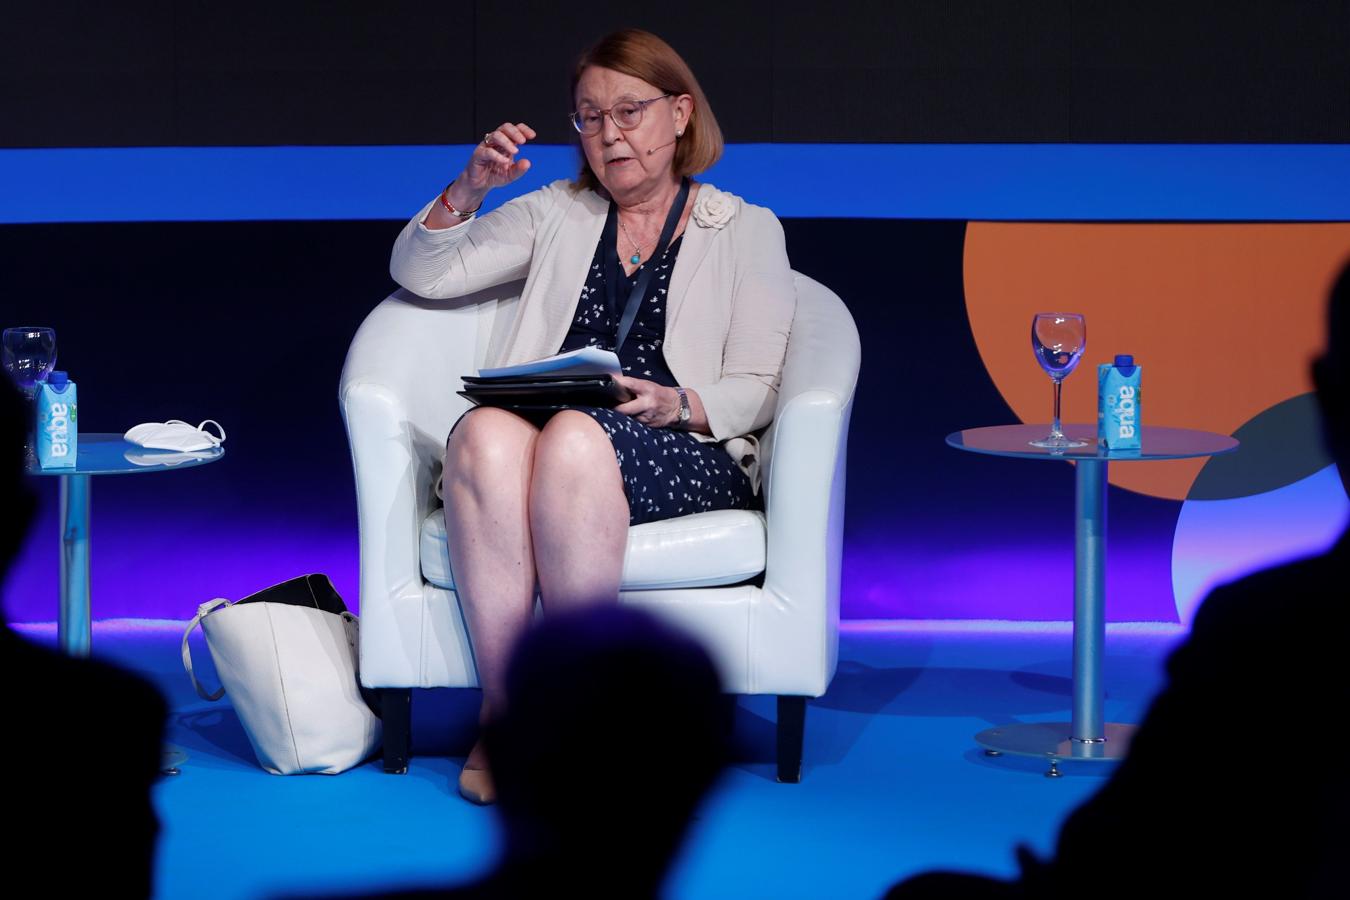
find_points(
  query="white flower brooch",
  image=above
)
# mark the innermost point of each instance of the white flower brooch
(714, 208)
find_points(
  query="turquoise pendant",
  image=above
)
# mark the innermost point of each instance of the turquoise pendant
(635, 259)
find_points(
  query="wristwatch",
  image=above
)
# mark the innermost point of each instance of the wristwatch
(685, 412)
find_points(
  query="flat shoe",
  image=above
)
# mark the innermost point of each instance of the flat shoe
(475, 785)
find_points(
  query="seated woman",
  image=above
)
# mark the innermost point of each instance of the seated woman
(550, 496)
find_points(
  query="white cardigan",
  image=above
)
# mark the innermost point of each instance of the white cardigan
(729, 306)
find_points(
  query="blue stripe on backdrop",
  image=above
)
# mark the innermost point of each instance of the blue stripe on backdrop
(1082, 182)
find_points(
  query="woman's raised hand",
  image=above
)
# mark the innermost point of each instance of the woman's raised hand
(495, 160)
(492, 164)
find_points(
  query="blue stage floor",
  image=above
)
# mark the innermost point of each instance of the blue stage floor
(893, 784)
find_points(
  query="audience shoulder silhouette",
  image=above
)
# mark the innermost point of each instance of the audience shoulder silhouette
(86, 736)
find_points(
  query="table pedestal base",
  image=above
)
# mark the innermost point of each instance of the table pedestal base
(1088, 736)
(1051, 741)
(74, 631)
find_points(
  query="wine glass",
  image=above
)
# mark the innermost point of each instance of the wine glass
(1058, 339)
(29, 355)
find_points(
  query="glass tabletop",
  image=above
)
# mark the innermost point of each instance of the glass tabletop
(109, 454)
(1156, 443)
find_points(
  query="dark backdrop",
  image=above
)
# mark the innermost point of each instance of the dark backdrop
(189, 72)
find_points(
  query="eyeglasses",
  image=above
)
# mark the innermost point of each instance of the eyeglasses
(626, 114)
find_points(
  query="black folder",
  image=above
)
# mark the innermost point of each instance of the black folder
(544, 391)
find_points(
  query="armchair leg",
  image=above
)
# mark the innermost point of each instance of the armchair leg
(396, 707)
(791, 732)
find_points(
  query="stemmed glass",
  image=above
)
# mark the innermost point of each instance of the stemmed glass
(1058, 339)
(29, 355)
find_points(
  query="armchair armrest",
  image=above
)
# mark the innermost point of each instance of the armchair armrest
(805, 452)
(398, 400)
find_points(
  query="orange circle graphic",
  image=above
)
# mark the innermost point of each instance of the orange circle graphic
(1224, 319)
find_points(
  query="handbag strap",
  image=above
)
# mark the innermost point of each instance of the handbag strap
(202, 612)
(614, 269)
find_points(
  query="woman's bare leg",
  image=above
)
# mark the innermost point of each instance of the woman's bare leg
(578, 513)
(488, 461)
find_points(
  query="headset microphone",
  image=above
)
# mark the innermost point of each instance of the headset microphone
(667, 144)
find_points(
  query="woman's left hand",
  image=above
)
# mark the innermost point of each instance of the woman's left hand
(653, 404)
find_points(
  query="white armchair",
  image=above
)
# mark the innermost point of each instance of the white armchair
(761, 590)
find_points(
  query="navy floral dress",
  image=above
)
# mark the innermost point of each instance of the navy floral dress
(666, 472)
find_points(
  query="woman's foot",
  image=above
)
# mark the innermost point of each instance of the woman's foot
(475, 779)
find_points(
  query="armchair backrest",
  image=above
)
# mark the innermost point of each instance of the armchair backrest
(823, 354)
(418, 348)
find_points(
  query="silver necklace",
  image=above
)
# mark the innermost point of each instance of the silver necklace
(636, 258)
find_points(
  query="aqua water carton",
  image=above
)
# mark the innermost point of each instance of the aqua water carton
(57, 423)
(1118, 404)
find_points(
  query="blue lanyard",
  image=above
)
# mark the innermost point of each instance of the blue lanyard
(614, 271)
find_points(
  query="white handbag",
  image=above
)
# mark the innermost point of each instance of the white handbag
(287, 658)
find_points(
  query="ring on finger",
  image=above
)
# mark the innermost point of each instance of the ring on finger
(487, 139)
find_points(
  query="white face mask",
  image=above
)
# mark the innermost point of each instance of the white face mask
(176, 434)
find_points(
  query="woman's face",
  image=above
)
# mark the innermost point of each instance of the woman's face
(620, 159)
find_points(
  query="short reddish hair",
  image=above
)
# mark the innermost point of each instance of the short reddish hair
(642, 54)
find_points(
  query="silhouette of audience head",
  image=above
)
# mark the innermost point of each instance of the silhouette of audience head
(1331, 374)
(615, 728)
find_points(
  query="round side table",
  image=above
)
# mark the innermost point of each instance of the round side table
(98, 454)
(1086, 737)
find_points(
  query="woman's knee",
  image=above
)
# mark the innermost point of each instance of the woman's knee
(488, 442)
(573, 445)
